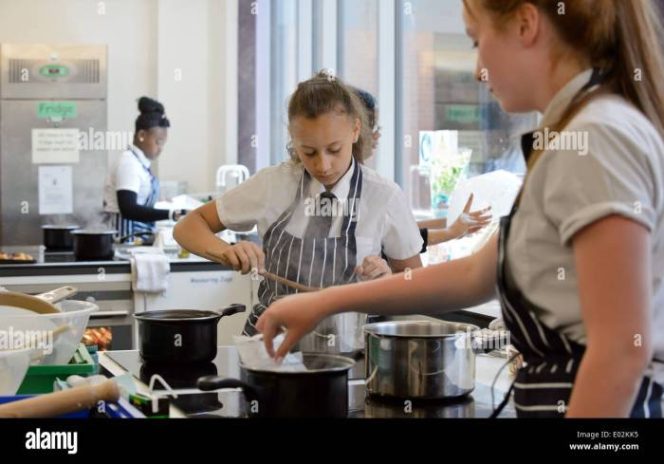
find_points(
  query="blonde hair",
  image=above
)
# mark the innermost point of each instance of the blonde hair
(325, 93)
(621, 38)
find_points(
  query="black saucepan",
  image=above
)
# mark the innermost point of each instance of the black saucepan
(59, 238)
(181, 336)
(321, 391)
(93, 245)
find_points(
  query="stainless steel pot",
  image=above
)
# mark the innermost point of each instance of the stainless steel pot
(422, 359)
(340, 334)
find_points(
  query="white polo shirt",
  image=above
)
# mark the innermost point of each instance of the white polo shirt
(384, 218)
(619, 172)
(130, 173)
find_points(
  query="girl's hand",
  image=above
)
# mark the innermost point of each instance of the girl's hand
(243, 256)
(297, 314)
(373, 267)
(469, 223)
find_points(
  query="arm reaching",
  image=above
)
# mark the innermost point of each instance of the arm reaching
(436, 289)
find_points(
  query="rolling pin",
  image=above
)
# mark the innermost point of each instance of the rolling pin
(62, 402)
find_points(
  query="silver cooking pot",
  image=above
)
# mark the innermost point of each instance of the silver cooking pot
(423, 359)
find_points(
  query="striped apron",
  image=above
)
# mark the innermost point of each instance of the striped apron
(127, 227)
(315, 263)
(544, 385)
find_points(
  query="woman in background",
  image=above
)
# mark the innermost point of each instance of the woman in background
(131, 190)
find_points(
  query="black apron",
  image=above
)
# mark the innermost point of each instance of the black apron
(315, 263)
(544, 385)
(129, 228)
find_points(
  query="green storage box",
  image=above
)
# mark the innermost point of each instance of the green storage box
(39, 379)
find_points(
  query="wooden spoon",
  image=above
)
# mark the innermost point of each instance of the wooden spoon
(29, 302)
(269, 275)
(289, 283)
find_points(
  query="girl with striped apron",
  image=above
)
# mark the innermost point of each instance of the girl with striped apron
(314, 261)
(544, 385)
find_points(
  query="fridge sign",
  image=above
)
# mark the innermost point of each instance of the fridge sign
(55, 146)
(56, 110)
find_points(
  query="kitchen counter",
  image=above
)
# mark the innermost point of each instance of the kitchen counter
(191, 402)
(63, 263)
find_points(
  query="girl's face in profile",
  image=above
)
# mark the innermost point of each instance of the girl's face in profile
(503, 63)
(153, 141)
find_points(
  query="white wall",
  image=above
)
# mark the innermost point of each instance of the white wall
(127, 27)
(148, 40)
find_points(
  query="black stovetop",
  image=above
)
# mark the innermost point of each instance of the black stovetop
(230, 403)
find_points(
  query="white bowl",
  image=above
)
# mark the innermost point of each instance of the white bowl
(56, 336)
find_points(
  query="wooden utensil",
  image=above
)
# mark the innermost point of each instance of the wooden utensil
(62, 402)
(268, 275)
(29, 302)
(57, 295)
(289, 283)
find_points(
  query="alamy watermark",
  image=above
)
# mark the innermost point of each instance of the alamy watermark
(548, 140)
(480, 340)
(332, 207)
(93, 140)
(20, 339)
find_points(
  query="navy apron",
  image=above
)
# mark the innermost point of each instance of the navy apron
(314, 262)
(544, 385)
(127, 227)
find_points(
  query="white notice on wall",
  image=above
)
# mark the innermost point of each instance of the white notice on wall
(56, 190)
(55, 146)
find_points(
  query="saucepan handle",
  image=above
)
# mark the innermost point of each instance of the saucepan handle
(232, 309)
(214, 382)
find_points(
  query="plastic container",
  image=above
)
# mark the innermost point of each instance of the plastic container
(40, 378)
(55, 335)
(13, 368)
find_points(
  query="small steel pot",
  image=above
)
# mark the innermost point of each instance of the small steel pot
(93, 245)
(321, 391)
(422, 359)
(59, 238)
(180, 336)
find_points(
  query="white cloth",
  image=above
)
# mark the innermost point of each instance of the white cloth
(150, 271)
(384, 219)
(130, 173)
(622, 174)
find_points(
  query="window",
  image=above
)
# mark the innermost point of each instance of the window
(412, 55)
(437, 91)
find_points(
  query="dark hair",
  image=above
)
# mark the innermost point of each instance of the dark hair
(152, 115)
(369, 103)
(325, 93)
